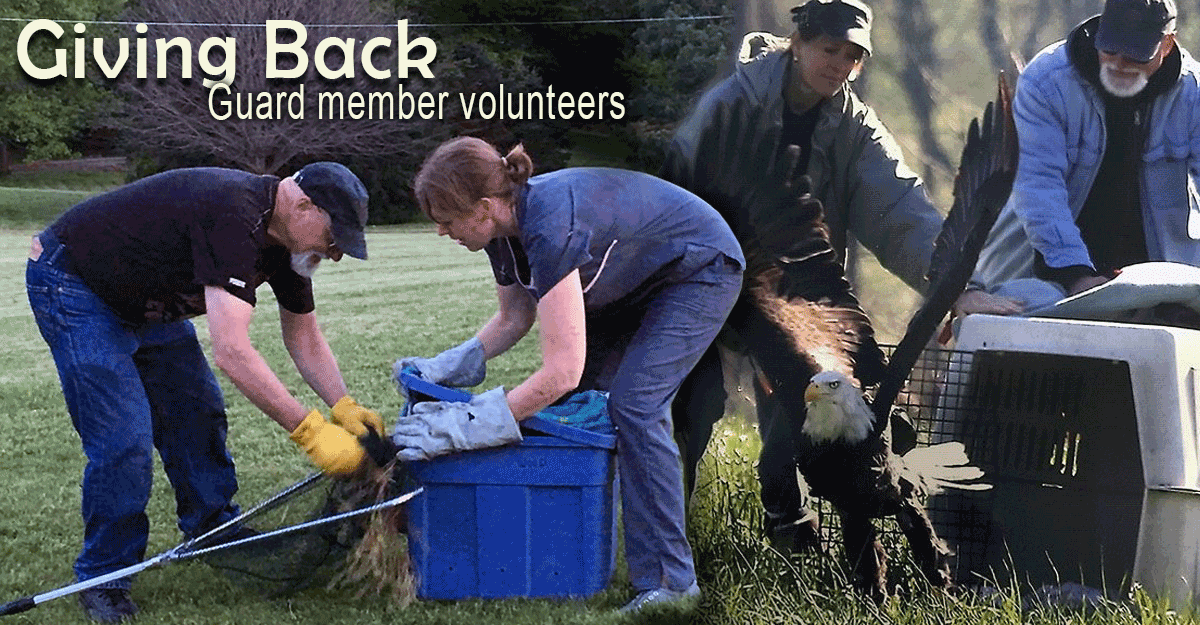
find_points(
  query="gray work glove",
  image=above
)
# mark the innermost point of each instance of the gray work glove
(461, 366)
(435, 428)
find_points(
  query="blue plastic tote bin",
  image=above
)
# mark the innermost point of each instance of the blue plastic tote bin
(534, 519)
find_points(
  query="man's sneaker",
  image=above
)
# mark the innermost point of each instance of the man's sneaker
(107, 605)
(233, 534)
(228, 535)
(664, 597)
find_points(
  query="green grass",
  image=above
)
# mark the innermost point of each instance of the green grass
(26, 207)
(58, 179)
(33, 198)
(417, 295)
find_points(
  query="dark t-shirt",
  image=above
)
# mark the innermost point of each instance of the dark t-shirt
(798, 130)
(149, 248)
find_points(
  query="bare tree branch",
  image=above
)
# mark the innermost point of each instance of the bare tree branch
(1033, 39)
(921, 65)
(992, 37)
(171, 115)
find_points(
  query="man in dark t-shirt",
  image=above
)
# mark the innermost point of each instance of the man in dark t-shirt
(113, 283)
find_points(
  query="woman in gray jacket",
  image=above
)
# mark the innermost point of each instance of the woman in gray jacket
(798, 92)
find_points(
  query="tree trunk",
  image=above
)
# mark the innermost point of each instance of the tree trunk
(920, 62)
(1033, 42)
(999, 52)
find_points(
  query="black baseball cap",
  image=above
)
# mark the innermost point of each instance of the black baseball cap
(1135, 28)
(337, 191)
(841, 19)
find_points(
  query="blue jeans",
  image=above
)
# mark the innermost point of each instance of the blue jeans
(130, 390)
(641, 358)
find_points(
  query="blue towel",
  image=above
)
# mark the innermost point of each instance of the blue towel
(587, 411)
(409, 370)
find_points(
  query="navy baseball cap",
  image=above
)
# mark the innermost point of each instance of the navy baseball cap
(337, 191)
(1135, 28)
(841, 19)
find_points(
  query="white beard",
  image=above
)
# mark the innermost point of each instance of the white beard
(1121, 87)
(305, 264)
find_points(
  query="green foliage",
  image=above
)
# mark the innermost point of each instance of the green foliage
(43, 116)
(674, 59)
(669, 62)
(43, 121)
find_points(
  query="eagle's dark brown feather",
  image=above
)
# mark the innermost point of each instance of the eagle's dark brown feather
(800, 315)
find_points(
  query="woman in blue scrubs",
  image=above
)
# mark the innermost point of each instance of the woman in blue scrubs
(630, 278)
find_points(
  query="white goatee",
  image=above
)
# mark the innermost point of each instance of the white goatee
(305, 264)
(1120, 85)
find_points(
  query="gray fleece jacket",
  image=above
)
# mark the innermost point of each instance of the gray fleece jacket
(857, 168)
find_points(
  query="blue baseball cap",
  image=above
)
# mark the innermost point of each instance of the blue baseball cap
(337, 191)
(1135, 28)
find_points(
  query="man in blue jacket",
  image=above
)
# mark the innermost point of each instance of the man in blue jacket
(1110, 155)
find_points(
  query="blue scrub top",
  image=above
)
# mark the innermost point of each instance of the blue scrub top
(624, 230)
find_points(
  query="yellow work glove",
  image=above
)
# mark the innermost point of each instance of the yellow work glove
(354, 418)
(330, 447)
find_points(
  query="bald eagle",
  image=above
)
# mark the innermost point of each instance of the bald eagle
(864, 479)
(816, 351)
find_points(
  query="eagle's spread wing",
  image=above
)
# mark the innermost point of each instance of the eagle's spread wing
(982, 184)
(800, 315)
(984, 181)
(736, 135)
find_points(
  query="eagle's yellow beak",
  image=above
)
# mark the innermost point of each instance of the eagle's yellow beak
(813, 392)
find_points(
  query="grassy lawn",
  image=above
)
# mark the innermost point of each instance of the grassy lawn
(29, 199)
(30, 208)
(78, 181)
(417, 295)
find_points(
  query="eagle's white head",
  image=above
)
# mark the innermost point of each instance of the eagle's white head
(836, 409)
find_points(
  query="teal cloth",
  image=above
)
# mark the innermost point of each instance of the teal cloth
(587, 410)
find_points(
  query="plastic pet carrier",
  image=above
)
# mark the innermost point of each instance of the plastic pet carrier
(1088, 432)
